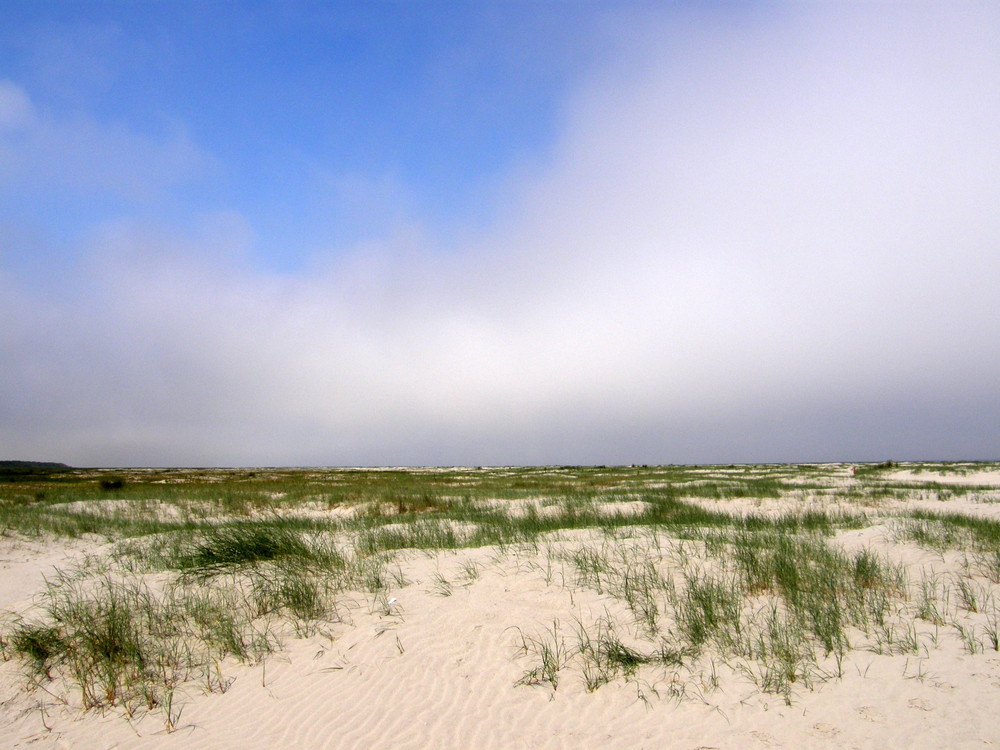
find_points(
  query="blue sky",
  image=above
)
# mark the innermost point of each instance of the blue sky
(480, 233)
(322, 121)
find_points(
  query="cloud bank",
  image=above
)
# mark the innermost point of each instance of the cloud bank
(773, 238)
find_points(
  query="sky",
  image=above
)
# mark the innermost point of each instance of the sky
(482, 233)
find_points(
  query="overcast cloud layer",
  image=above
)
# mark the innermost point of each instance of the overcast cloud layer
(774, 240)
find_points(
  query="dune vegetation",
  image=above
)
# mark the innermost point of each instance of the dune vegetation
(691, 575)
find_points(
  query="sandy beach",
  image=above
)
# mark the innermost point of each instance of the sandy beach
(443, 655)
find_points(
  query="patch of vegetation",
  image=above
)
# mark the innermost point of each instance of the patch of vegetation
(244, 558)
(943, 531)
(219, 549)
(28, 471)
(111, 483)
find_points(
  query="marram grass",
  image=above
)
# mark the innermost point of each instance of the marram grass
(213, 566)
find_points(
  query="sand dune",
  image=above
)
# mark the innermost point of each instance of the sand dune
(440, 667)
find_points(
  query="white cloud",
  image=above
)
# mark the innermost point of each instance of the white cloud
(773, 242)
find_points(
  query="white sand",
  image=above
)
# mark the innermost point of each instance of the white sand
(440, 672)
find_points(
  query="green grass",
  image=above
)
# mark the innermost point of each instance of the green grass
(245, 558)
(774, 605)
(553, 655)
(122, 645)
(953, 531)
(243, 544)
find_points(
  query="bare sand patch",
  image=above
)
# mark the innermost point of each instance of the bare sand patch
(960, 478)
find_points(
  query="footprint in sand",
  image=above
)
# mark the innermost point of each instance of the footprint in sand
(822, 729)
(764, 738)
(872, 714)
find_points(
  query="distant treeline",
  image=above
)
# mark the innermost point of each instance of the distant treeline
(12, 470)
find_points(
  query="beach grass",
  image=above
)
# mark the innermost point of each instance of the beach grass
(207, 566)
